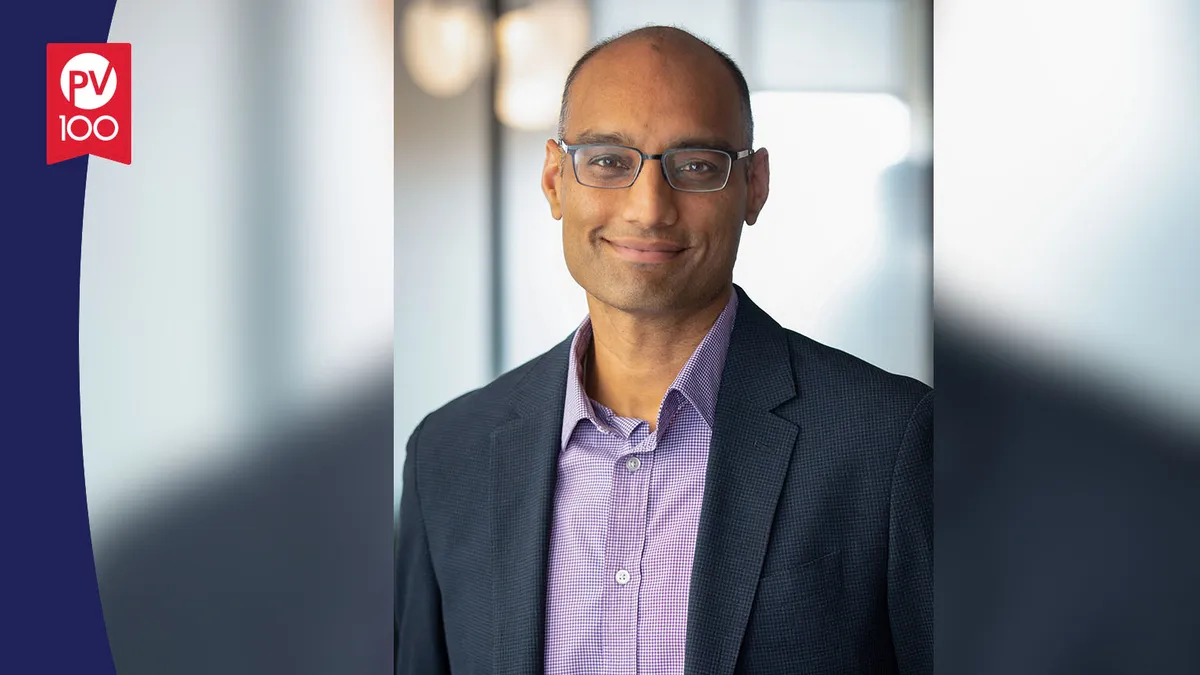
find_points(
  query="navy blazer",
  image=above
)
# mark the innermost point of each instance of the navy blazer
(815, 546)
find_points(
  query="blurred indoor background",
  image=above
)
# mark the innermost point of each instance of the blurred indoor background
(245, 395)
(842, 252)
(235, 341)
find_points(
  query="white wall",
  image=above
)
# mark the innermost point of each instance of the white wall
(829, 45)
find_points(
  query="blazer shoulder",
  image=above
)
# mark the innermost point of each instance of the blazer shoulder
(841, 375)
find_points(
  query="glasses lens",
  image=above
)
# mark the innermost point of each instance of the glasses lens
(696, 170)
(606, 166)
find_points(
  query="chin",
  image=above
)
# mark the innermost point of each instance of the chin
(638, 297)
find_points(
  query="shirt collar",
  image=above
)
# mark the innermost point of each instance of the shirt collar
(698, 380)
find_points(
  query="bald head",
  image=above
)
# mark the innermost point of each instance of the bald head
(686, 108)
(676, 45)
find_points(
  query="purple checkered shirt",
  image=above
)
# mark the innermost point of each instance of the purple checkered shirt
(626, 511)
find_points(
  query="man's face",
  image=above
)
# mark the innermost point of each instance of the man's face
(650, 249)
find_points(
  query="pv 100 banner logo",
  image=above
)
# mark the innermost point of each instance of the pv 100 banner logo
(88, 104)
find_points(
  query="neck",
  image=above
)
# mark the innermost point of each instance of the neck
(633, 358)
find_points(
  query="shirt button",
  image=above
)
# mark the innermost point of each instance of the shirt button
(622, 577)
(633, 464)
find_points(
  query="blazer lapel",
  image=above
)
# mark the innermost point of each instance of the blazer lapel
(747, 461)
(524, 461)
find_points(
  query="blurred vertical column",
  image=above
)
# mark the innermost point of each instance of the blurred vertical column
(918, 77)
(496, 296)
(268, 194)
(443, 208)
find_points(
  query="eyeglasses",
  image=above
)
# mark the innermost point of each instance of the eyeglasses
(686, 169)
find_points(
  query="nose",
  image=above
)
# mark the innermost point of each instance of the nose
(650, 201)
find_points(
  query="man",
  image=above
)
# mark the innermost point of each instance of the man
(682, 485)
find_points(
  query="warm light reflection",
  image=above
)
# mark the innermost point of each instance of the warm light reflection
(537, 45)
(446, 46)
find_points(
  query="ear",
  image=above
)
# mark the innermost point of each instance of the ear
(760, 184)
(552, 177)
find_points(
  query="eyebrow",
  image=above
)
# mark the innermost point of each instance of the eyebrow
(701, 142)
(588, 137)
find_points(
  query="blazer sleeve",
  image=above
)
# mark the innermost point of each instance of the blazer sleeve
(420, 641)
(910, 545)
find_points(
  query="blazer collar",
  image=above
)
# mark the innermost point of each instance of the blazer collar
(748, 459)
(524, 453)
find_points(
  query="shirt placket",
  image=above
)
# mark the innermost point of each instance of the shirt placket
(623, 551)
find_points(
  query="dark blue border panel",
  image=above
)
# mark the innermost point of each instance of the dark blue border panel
(50, 615)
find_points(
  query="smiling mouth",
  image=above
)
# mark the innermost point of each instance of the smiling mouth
(645, 252)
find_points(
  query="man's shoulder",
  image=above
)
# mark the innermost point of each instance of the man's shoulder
(845, 380)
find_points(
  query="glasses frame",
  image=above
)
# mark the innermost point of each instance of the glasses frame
(734, 156)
